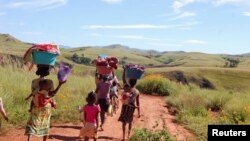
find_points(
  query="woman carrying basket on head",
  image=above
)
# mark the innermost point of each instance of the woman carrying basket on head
(130, 102)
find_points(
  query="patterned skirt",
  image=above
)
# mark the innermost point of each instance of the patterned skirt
(39, 121)
(89, 130)
(127, 113)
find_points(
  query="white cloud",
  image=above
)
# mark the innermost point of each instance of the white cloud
(140, 26)
(132, 37)
(246, 14)
(137, 37)
(112, 1)
(2, 13)
(233, 2)
(31, 33)
(179, 4)
(37, 4)
(196, 42)
(185, 15)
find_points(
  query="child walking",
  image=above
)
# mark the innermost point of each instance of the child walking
(91, 118)
(130, 102)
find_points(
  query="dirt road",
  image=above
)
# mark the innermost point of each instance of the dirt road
(154, 116)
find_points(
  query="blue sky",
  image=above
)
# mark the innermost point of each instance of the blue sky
(211, 26)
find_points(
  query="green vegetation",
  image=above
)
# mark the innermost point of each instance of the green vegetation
(231, 62)
(196, 107)
(80, 59)
(156, 85)
(147, 135)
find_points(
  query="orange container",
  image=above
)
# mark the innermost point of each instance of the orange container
(104, 70)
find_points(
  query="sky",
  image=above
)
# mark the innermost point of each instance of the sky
(210, 26)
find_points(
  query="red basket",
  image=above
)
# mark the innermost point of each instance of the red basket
(104, 70)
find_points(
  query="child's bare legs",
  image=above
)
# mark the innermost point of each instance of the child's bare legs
(45, 138)
(129, 129)
(31, 106)
(29, 137)
(102, 119)
(123, 130)
(86, 139)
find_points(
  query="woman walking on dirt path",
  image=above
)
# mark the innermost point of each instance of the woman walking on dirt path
(35, 113)
(131, 101)
(39, 121)
(103, 95)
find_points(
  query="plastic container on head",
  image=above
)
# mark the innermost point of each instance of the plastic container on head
(44, 58)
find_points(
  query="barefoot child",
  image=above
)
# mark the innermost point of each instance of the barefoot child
(130, 102)
(91, 118)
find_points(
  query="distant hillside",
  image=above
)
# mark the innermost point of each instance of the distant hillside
(11, 45)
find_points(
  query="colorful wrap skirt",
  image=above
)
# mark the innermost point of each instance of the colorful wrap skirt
(39, 121)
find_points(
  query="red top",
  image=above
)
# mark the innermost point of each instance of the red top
(91, 112)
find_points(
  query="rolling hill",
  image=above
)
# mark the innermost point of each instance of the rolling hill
(150, 58)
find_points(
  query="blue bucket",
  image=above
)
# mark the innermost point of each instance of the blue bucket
(133, 73)
(103, 56)
(44, 58)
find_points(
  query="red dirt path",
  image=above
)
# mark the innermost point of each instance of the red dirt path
(154, 115)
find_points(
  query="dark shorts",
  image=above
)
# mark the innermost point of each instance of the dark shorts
(104, 104)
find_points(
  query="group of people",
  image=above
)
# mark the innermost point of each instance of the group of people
(98, 104)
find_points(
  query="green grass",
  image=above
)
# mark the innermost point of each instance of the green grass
(156, 85)
(199, 107)
(147, 135)
(132, 57)
(15, 86)
(234, 80)
(229, 103)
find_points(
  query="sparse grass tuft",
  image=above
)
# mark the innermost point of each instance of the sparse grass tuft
(147, 135)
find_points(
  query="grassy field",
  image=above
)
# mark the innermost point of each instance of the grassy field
(195, 107)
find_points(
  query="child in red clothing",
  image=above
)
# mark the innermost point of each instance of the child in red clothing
(44, 96)
(91, 118)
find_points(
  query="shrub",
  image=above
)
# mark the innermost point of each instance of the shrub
(237, 111)
(215, 101)
(156, 85)
(147, 135)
